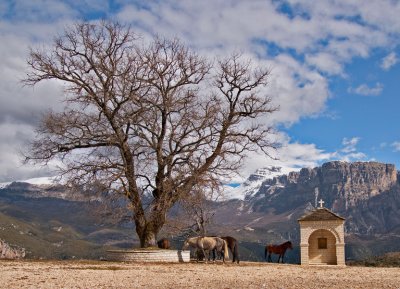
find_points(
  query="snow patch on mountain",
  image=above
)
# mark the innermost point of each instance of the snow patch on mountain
(4, 185)
(33, 181)
(254, 182)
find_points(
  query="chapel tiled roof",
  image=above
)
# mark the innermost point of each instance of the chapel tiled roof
(321, 214)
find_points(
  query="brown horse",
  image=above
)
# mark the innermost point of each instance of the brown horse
(233, 247)
(277, 249)
(207, 244)
(164, 243)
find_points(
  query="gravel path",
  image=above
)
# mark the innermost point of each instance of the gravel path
(91, 274)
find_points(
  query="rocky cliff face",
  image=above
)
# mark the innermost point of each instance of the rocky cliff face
(353, 183)
(346, 184)
(363, 192)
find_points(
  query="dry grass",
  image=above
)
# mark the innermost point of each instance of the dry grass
(96, 274)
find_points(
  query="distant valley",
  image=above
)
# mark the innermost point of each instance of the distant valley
(50, 222)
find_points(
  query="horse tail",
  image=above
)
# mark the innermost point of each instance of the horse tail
(226, 253)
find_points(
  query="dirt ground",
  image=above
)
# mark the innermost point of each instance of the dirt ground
(91, 274)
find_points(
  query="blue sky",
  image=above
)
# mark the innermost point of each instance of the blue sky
(335, 68)
(370, 115)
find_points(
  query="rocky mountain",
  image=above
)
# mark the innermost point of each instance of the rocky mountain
(366, 193)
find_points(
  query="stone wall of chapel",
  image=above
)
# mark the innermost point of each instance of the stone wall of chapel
(335, 227)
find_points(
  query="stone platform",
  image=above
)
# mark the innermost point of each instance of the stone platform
(143, 255)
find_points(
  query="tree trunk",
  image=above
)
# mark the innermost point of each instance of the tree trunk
(148, 239)
(150, 229)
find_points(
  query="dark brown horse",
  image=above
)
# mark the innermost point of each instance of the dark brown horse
(277, 249)
(164, 243)
(233, 246)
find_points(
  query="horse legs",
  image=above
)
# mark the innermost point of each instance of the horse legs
(269, 257)
(281, 256)
(205, 255)
(233, 251)
(198, 256)
(209, 255)
(235, 255)
(201, 255)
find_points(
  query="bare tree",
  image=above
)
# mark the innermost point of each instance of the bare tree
(198, 210)
(195, 212)
(149, 122)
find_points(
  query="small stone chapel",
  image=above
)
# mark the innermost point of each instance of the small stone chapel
(322, 237)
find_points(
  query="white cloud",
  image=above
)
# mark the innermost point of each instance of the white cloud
(303, 155)
(350, 144)
(353, 157)
(40, 11)
(21, 107)
(381, 14)
(290, 156)
(298, 90)
(325, 62)
(13, 137)
(396, 146)
(212, 24)
(389, 61)
(349, 152)
(364, 89)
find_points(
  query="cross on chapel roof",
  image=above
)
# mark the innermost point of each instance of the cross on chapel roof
(321, 203)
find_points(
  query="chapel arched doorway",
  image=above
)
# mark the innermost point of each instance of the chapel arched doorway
(322, 247)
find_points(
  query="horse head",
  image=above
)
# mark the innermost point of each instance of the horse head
(290, 246)
(189, 242)
(185, 245)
